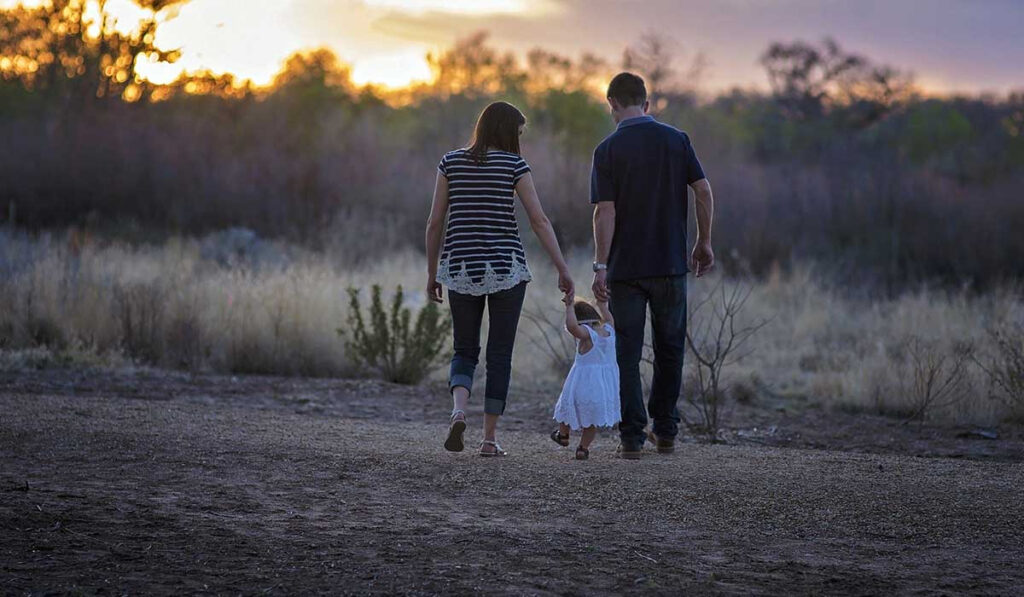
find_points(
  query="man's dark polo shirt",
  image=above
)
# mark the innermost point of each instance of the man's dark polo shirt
(645, 167)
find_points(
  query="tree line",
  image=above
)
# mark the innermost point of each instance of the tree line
(843, 162)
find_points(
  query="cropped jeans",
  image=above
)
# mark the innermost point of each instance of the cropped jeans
(666, 297)
(503, 310)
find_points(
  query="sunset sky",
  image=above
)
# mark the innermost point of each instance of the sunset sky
(951, 45)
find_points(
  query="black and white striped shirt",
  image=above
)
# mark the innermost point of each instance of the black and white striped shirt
(482, 251)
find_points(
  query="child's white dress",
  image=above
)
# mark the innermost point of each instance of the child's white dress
(590, 395)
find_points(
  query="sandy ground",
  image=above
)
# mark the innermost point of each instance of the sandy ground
(249, 486)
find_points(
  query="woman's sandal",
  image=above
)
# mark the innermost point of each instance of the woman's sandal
(582, 453)
(454, 443)
(558, 438)
(497, 449)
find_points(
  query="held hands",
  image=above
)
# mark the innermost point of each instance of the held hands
(565, 284)
(600, 286)
(703, 258)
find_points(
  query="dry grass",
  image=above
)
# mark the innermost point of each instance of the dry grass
(856, 353)
(275, 309)
(171, 306)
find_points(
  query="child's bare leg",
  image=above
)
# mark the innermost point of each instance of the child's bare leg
(563, 429)
(588, 436)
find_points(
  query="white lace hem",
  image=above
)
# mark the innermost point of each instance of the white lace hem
(491, 282)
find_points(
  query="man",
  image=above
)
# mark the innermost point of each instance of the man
(638, 186)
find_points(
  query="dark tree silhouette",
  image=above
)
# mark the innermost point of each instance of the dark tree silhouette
(656, 57)
(57, 50)
(652, 57)
(807, 79)
(473, 68)
(802, 76)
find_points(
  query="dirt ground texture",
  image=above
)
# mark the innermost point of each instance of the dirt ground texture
(159, 483)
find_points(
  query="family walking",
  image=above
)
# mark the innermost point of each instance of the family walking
(638, 188)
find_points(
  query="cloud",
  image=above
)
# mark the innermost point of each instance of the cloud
(953, 44)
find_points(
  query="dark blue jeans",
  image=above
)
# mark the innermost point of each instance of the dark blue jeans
(629, 301)
(503, 310)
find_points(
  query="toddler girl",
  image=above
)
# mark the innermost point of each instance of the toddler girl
(590, 396)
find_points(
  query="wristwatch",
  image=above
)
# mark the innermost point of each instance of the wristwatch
(600, 266)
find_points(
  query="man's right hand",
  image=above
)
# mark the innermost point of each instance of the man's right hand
(600, 286)
(703, 257)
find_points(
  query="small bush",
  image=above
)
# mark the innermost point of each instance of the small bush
(185, 348)
(44, 331)
(936, 376)
(547, 336)
(389, 346)
(1005, 367)
(716, 339)
(6, 334)
(247, 355)
(140, 310)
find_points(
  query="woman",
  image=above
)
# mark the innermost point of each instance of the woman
(483, 262)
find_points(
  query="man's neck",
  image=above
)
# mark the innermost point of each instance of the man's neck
(630, 112)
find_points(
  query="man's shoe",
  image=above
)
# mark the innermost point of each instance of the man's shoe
(662, 444)
(627, 452)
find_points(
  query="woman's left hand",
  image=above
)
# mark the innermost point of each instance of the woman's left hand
(434, 291)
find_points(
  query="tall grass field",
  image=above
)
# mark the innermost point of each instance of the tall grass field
(233, 303)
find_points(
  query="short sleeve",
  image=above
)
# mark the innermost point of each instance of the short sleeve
(521, 169)
(694, 171)
(601, 186)
(443, 166)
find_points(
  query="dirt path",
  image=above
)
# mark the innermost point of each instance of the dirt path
(107, 494)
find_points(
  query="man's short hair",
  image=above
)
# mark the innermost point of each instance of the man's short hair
(627, 89)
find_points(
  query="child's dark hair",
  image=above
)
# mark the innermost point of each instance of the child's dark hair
(585, 311)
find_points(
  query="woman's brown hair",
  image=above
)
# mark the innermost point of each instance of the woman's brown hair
(497, 128)
(585, 311)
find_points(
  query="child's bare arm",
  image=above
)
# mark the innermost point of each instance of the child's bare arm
(571, 324)
(606, 313)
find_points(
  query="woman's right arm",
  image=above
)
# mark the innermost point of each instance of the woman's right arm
(541, 226)
(435, 226)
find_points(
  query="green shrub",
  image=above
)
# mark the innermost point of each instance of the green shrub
(389, 345)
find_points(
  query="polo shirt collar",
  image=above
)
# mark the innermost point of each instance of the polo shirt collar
(635, 120)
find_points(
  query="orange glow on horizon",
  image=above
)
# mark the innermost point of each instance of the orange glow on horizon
(385, 42)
